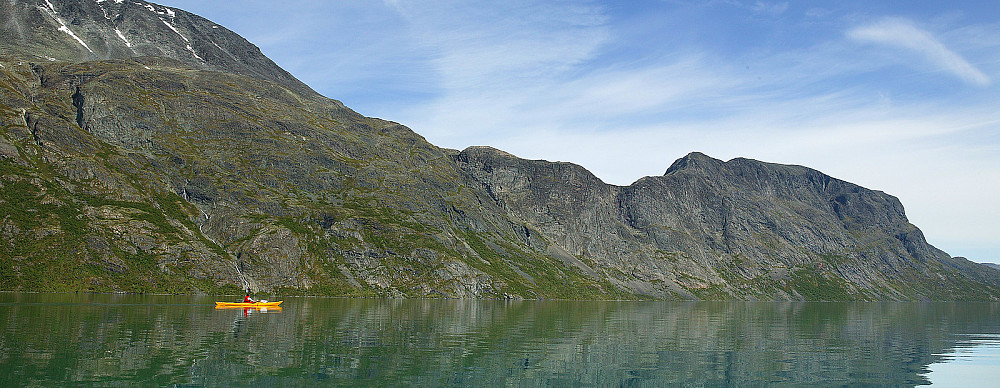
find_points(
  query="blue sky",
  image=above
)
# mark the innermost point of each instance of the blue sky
(898, 96)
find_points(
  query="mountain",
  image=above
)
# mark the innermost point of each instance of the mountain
(714, 229)
(146, 149)
(90, 30)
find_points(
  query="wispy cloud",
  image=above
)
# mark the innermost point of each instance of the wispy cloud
(770, 9)
(903, 34)
(495, 61)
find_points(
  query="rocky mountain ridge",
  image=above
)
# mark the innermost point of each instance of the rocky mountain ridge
(741, 227)
(177, 158)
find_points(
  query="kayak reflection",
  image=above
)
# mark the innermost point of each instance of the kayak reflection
(260, 309)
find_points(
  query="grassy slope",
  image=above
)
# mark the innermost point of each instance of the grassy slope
(362, 207)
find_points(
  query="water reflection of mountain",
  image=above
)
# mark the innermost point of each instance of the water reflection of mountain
(182, 340)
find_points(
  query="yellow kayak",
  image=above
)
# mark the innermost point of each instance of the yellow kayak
(241, 304)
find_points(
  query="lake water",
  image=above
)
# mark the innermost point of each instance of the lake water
(124, 340)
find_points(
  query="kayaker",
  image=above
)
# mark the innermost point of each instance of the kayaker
(248, 299)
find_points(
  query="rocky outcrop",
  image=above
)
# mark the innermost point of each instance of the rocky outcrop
(741, 228)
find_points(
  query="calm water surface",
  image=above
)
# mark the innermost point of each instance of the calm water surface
(54, 339)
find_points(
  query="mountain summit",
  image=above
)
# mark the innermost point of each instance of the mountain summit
(88, 30)
(146, 149)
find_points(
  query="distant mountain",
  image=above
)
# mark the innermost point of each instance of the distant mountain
(145, 149)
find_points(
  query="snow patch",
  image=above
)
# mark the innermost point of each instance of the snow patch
(191, 49)
(102, 9)
(68, 31)
(147, 67)
(62, 26)
(175, 29)
(166, 11)
(51, 7)
(121, 35)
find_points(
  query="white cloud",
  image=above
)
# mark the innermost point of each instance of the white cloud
(771, 9)
(495, 61)
(900, 33)
(512, 44)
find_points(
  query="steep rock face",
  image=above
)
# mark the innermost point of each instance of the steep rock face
(86, 30)
(741, 228)
(276, 190)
